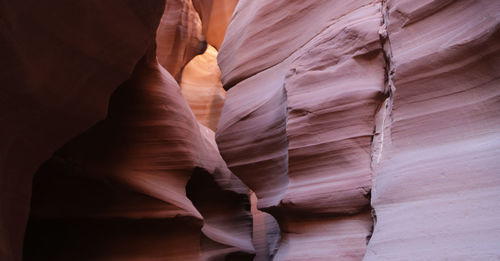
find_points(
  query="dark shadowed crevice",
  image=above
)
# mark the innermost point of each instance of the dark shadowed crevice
(219, 206)
(383, 115)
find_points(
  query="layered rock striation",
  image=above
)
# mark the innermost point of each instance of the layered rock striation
(395, 96)
(153, 171)
(145, 183)
(201, 85)
(179, 37)
(356, 130)
(297, 126)
(148, 173)
(436, 174)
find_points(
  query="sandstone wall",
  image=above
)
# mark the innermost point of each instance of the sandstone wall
(356, 130)
(298, 121)
(145, 183)
(437, 169)
(60, 62)
(343, 115)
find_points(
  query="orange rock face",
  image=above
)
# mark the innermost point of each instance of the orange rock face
(179, 37)
(220, 16)
(215, 16)
(202, 87)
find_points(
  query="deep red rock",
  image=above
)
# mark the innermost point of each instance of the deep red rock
(60, 63)
(140, 160)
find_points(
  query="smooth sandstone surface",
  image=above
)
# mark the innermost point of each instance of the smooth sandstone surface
(201, 86)
(256, 25)
(57, 78)
(147, 183)
(215, 16)
(266, 233)
(220, 16)
(299, 132)
(396, 96)
(153, 174)
(437, 181)
(357, 130)
(179, 37)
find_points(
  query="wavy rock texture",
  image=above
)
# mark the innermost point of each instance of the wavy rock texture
(215, 17)
(154, 175)
(255, 28)
(437, 180)
(179, 37)
(402, 95)
(266, 234)
(57, 78)
(147, 183)
(220, 15)
(366, 130)
(202, 87)
(297, 126)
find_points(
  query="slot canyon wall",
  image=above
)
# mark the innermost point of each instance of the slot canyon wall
(368, 129)
(350, 130)
(144, 183)
(57, 78)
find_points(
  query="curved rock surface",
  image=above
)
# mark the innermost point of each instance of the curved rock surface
(147, 183)
(365, 130)
(215, 17)
(220, 15)
(299, 132)
(201, 85)
(154, 176)
(437, 178)
(179, 37)
(60, 63)
(398, 95)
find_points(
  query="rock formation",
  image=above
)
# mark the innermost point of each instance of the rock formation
(220, 15)
(153, 173)
(353, 95)
(202, 87)
(308, 113)
(436, 175)
(350, 130)
(215, 16)
(60, 62)
(148, 173)
(179, 37)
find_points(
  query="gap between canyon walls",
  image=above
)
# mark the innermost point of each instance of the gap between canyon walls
(383, 115)
(437, 175)
(148, 182)
(315, 154)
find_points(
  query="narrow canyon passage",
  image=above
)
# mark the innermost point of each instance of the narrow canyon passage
(250, 130)
(149, 176)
